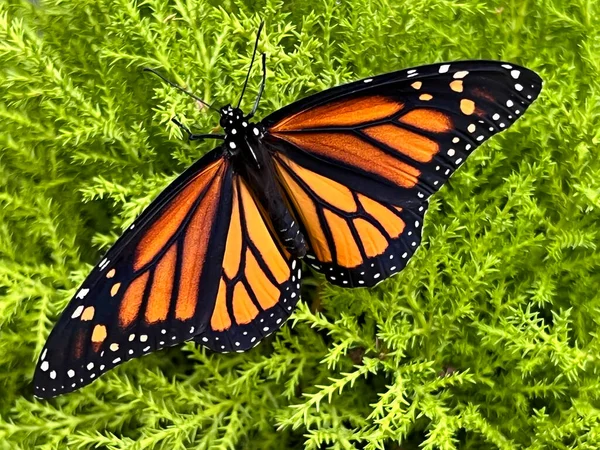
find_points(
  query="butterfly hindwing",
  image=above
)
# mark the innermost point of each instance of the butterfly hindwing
(355, 240)
(394, 139)
(155, 288)
(260, 282)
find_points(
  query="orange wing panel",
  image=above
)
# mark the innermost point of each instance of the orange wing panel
(334, 193)
(308, 213)
(266, 293)
(132, 300)
(403, 141)
(260, 236)
(164, 228)
(194, 249)
(341, 113)
(390, 221)
(233, 246)
(428, 120)
(159, 301)
(372, 240)
(220, 319)
(354, 151)
(347, 252)
(243, 308)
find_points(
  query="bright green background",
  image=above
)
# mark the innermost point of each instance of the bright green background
(487, 340)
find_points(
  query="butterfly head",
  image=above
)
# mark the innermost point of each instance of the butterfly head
(232, 119)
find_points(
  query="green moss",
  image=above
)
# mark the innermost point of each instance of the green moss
(489, 339)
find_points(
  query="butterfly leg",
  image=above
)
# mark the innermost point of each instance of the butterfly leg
(195, 137)
(262, 85)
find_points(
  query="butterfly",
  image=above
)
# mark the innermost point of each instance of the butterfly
(340, 179)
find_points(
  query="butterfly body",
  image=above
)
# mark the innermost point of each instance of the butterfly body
(341, 178)
(250, 159)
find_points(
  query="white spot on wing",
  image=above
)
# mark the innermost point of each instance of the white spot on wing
(77, 312)
(82, 293)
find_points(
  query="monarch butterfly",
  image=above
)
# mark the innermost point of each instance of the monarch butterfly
(341, 178)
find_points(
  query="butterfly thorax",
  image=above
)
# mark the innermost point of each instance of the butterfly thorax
(238, 128)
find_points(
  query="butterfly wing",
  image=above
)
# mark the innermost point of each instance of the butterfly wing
(156, 286)
(259, 284)
(385, 145)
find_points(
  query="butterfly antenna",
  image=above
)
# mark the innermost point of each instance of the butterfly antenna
(195, 97)
(251, 63)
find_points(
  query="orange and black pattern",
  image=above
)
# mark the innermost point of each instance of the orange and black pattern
(154, 289)
(355, 241)
(259, 284)
(342, 178)
(390, 141)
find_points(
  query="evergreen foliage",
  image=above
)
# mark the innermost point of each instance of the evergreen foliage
(488, 339)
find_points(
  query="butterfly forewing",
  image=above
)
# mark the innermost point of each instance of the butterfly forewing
(393, 140)
(155, 288)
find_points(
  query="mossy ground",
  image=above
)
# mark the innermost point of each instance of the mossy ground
(489, 339)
